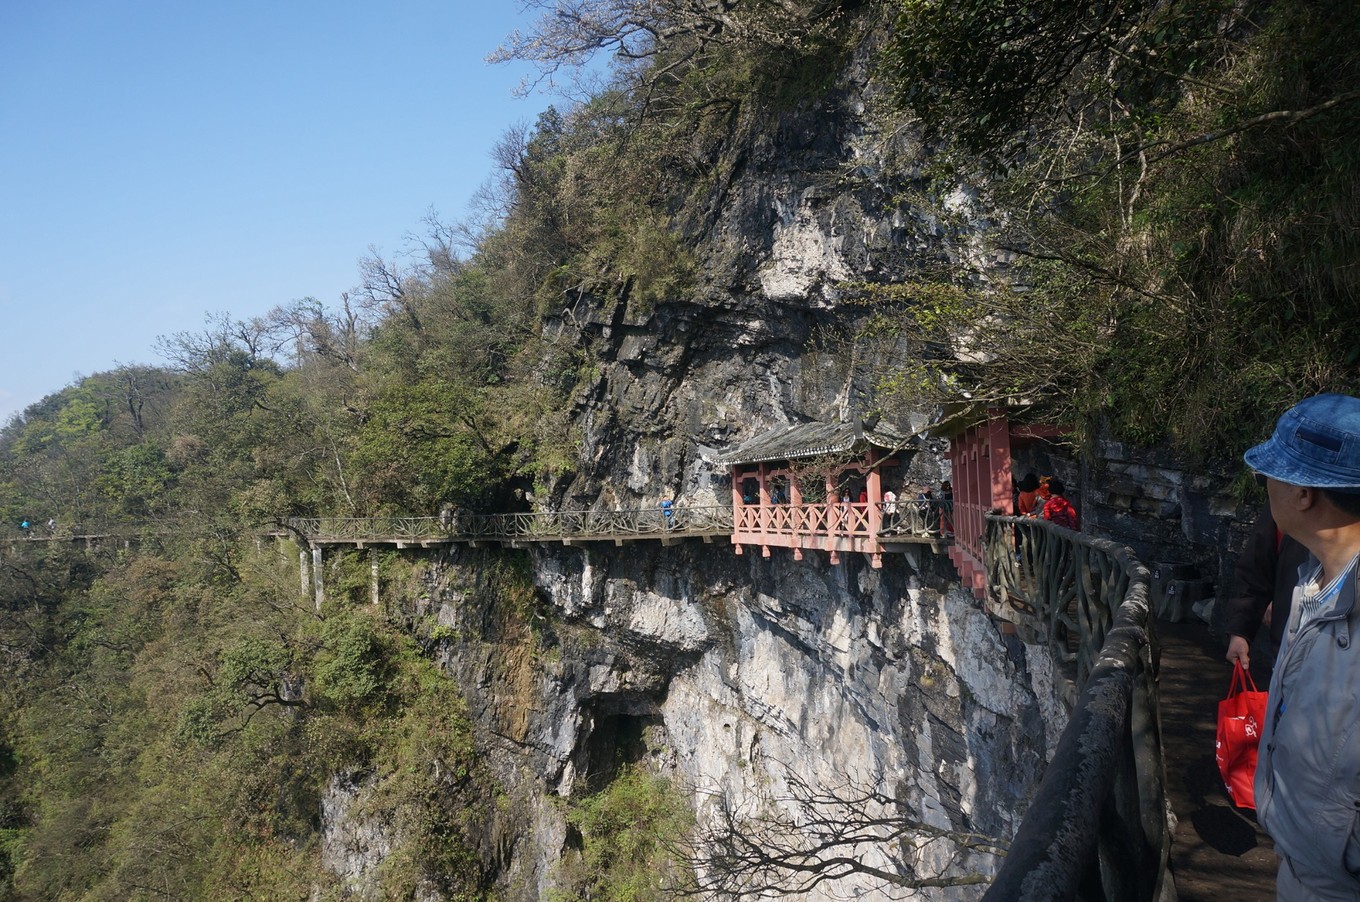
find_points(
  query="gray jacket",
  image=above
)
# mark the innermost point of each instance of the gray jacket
(1308, 770)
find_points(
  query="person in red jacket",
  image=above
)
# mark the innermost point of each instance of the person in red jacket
(1057, 509)
(1027, 501)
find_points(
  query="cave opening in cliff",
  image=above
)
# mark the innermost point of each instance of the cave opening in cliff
(617, 740)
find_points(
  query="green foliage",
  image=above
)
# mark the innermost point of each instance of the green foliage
(352, 666)
(986, 72)
(630, 836)
(135, 479)
(140, 759)
(1187, 245)
(421, 445)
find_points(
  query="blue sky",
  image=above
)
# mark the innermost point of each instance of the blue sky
(162, 160)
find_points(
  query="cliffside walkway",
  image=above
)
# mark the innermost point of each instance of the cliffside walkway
(518, 530)
(833, 527)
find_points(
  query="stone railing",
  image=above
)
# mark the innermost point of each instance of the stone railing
(1099, 825)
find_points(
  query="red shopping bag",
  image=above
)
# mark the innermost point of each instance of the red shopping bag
(1240, 718)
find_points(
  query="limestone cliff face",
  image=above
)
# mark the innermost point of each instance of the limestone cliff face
(732, 673)
(819, 198)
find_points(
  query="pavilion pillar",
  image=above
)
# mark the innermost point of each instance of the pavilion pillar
(738, 511)
(797, 517)
(874, 486)
(999, 446)
(982, 489)
(833, 503)
(763, 480)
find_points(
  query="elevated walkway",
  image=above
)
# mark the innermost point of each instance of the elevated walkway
(518, 530)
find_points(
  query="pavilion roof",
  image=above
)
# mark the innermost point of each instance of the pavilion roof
(813, 440)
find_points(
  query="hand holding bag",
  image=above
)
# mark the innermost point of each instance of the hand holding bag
(1240, 718)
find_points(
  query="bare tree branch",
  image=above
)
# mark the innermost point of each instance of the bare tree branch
(793, 841)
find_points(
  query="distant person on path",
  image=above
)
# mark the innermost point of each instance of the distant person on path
(1308, 772)
(947, 507)
(1058, 510)
(668, 513)
(889, 509)
(929, 510)
(24, 526)
(1263, 581)
(1027, 501)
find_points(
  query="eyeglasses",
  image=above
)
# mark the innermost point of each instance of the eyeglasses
(1260, 479)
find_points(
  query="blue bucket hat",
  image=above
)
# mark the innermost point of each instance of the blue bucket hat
(1316, 443)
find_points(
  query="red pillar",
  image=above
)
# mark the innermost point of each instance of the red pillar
(999, 444)
(763, 479)
(874, 485)
(738, 511)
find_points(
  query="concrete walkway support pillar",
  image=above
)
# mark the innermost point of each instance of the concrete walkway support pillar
(304, 572)
(373, 577)
(318, 577)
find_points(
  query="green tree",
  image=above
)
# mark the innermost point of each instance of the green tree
(1179, 225)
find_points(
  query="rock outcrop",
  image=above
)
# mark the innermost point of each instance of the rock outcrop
(735, 675)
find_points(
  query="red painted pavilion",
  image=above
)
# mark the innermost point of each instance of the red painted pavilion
(790, 485)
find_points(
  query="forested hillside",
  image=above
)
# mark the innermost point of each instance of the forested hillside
(1160, 244)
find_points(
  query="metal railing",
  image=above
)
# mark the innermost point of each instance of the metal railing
(85, 530)
(1099, 826)
(678, 522)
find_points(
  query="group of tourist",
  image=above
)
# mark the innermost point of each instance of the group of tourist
(26, 526)
(1045, 497)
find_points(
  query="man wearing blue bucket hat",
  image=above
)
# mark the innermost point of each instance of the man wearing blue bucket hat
(1308, 770)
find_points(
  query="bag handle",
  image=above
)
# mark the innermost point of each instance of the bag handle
(1241, 680)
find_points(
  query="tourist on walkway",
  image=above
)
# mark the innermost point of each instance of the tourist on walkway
(1263, 582)
(1027, 501)
(1308, 772)
(929, 510)
(947, 507)
(1058, 510)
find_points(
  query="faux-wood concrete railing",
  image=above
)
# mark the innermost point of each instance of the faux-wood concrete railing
(1099, 826)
